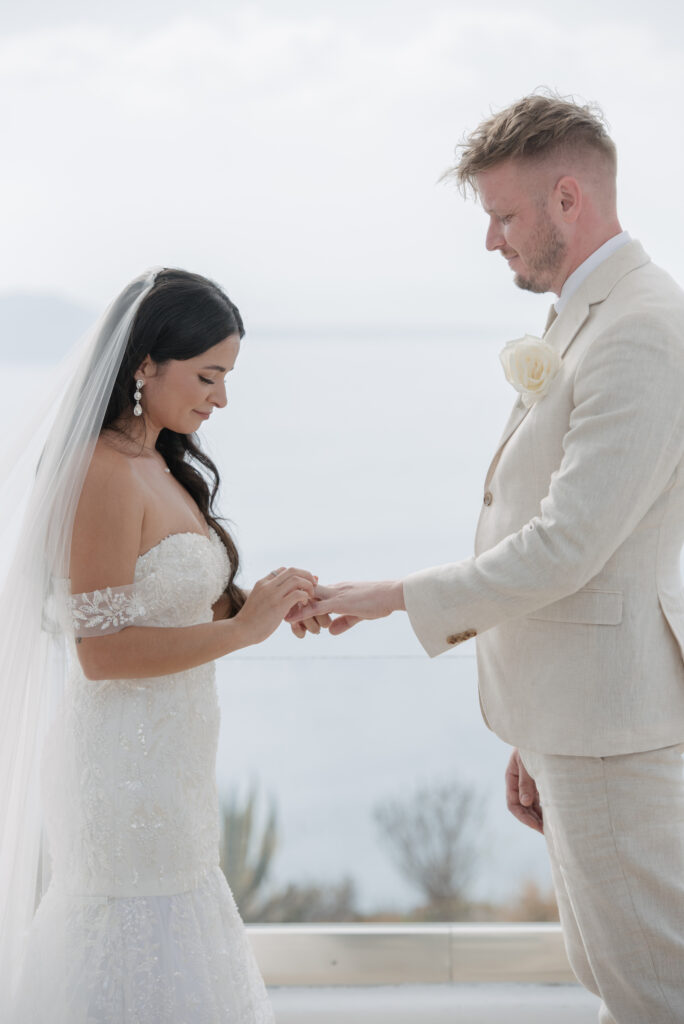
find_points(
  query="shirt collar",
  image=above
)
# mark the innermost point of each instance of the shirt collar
(582, 272)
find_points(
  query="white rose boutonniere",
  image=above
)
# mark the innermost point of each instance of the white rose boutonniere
(530, 364)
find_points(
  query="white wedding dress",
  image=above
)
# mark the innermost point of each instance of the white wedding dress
(138, 925)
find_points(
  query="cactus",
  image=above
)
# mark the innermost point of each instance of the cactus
(246, 855)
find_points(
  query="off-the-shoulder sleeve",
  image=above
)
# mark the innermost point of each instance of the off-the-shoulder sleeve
(106, 611)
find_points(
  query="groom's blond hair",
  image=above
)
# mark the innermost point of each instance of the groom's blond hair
(534, 129)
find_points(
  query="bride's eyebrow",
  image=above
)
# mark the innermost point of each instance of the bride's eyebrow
(221, 369)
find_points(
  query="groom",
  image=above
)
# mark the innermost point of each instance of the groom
(574, 592)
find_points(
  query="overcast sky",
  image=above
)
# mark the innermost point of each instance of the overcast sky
(291, 151)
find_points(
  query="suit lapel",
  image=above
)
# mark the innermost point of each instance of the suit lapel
(567, 326)
(562, 330)
(518, 414)
(594, 289)
(550, 318)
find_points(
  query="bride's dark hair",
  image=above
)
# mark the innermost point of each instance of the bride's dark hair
(182, 316)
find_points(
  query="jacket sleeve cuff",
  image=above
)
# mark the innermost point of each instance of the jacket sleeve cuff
(436, 630)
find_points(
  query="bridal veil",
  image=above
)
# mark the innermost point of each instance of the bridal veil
(41, 477)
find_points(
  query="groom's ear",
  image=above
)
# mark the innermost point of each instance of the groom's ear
(568, 198)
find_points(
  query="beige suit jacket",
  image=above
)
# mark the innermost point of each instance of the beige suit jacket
(574, 591)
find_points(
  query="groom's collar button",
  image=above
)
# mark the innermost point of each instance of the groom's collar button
(488, 498)
(459, 638)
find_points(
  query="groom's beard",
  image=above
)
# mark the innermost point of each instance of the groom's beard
(549, 253)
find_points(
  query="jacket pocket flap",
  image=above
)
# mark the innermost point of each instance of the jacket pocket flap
(595, 607)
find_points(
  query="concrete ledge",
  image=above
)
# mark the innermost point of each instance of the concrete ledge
(436, 1004)
(530, 953)
(410, 954)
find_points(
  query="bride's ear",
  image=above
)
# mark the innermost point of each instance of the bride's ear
(147, 368)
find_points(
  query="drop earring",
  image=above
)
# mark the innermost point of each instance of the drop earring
(137, 395)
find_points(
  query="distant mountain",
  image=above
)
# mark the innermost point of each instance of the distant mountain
(38, 326)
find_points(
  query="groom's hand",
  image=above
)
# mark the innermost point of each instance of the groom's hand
(522, 796)
(312, 625)
(352, 602)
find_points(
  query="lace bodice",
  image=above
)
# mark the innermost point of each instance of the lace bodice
(129, 765)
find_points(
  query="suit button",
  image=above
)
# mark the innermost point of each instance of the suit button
(488, 498)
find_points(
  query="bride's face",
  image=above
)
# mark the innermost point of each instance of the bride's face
(181, 394)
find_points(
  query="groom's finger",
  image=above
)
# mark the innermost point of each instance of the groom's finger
(307, 611)
(528, 792)
(522, 798)
(325, 601)
(313, 624)
(342, 624)
(529, 817)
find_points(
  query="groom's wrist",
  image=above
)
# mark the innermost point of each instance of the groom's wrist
(396, 596)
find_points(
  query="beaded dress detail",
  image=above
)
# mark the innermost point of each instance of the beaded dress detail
(138, 925)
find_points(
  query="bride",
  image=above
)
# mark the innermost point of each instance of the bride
(119, 599)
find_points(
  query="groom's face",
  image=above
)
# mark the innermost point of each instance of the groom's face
(521, 228)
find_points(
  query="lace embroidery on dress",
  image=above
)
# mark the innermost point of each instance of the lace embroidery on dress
(109, 610)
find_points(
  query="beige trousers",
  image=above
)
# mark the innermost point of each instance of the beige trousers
(614, 828)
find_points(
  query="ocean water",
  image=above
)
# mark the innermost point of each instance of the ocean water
(332, 737)
(356, 457)
(362, 458)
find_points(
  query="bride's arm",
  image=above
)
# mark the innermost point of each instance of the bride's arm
(105, 547)
(139, 652)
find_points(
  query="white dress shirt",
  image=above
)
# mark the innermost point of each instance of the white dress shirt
(597, 257)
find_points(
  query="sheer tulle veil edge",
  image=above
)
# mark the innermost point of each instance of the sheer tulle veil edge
(41, 476)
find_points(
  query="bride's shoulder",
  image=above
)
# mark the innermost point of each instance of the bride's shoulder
(109, 515)
(108, 519)
(111, 478)
(109, 463)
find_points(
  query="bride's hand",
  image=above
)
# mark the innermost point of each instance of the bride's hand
(271, 598)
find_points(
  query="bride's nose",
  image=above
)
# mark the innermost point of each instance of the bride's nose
(219, 397)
